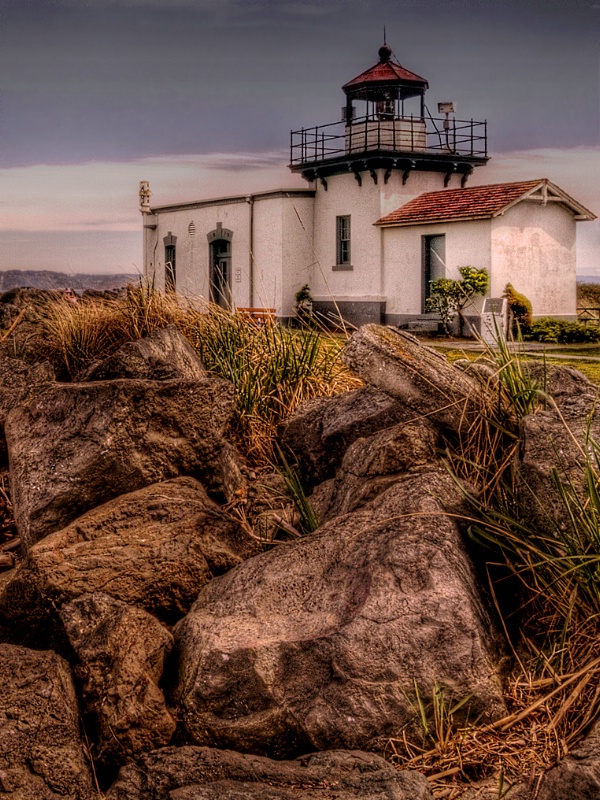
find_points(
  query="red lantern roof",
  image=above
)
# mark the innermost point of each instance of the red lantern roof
(386, 73)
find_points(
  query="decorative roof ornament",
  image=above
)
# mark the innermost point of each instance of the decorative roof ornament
(145, 195)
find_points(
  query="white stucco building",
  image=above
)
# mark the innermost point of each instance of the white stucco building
(385, 211)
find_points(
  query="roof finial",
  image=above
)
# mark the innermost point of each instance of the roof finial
(385, 51)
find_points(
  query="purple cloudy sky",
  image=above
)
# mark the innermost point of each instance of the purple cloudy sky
(198, 96)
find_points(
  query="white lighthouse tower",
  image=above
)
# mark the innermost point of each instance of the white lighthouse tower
(386, 150)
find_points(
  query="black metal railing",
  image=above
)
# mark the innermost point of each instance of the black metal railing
(439, 136)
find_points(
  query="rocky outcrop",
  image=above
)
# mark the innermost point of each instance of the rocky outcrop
(41, 753)
(199, 772)
(120, 652)
(76, 446)
(18, 381)
(321, 430)
(421, 378)
(154, 548)
(320, 643)
(577, 775)
(554, 446)
(164, 355)
(373, 464)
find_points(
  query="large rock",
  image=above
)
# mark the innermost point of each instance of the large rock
(199, 772)
(320, 643)
(18, 382)
(75, 446)
(554, 446)
(577, 775)
(371, 465)
(421, 378)
(321, 430)
(164, 355)
(154, 548)
(120, 652)
(41, 754)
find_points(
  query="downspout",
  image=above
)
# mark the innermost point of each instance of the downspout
(250, 201)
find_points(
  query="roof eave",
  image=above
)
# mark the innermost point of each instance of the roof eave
(406, 224)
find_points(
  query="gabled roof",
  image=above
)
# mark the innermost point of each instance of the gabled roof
(480, 202)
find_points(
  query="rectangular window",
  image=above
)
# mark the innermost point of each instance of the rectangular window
(343, 242)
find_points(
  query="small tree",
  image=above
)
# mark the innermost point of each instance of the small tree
(448, 297)
(519, 308)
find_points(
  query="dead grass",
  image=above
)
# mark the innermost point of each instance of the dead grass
(273, 369)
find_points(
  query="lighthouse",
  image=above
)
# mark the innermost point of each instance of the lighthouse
(385, 208)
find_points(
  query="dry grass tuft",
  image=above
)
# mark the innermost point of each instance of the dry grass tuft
(273, 369)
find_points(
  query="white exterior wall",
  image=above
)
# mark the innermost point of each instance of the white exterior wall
(271, 247)
(365, 204)
(466, 244)
(298, 253)
(533, 247)
(193, 252)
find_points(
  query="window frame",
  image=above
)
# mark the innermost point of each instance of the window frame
(343, 249)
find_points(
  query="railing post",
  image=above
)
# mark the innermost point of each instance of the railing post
(322, 145)
(485, 135)
(412, 134)
(471, 135)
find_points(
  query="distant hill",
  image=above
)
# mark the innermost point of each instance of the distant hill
(45, 279)
(588, 279)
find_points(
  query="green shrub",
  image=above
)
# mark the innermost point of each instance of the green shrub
(519, 307)
(448, 297)
(560, 331)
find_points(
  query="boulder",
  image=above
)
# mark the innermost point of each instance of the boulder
(554, 445)
(164, 355)
(372, 464)
(154, 548)
(320, 643)
(577, 775)
(18, 382)
(421, 378)
(8, 313)
(75, 446)
(121, 652)
(321, 430)
(572, 393)
(41, 753)
(200, 772)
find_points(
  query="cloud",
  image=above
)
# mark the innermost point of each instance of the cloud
(96, 198)
(103, 195)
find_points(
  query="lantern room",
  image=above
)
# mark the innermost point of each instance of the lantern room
(385, 124)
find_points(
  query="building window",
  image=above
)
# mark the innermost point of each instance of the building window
(170, 273)
(343, 242)
(434, 262)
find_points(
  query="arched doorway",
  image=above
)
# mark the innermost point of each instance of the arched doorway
(220, 266)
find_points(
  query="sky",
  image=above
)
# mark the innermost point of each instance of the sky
(199, 97)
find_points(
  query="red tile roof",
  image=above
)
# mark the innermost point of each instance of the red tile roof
(476, 202)
(386, 72)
